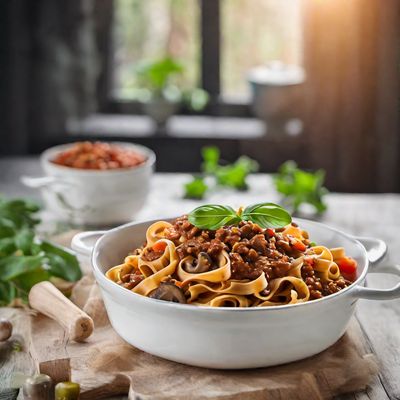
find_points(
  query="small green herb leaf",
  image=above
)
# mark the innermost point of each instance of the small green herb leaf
(62, 262)
(195, 189)
(234, 175)
(300, 187)
(13, 266)
(24, 240)
(213, 216)
(267, 215)
(24, 258)
(210, 156)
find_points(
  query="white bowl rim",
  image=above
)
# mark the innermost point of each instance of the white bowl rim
(111, 284)
(49, 153)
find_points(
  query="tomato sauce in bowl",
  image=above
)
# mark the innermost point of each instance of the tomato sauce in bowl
(98, 156)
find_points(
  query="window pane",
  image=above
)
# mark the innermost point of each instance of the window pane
(253, 33)
(152, 29)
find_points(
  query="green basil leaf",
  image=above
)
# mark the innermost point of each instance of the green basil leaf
(210, 156)
(61, 262)
(13, 266)
(267, 215)
(25, 281)
(195, 189)
(213, 216)
(7, 247)
(301, 187)
(234, 175)
(6, 231)
(18, 213)
(24, 240)
(7, 293)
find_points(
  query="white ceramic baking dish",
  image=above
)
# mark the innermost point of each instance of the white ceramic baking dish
(231, 338)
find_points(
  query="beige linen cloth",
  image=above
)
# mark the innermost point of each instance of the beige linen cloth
(105, 365)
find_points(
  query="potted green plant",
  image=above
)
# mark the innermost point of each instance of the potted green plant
(160, 93)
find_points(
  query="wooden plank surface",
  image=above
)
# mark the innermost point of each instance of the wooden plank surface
(360, 214)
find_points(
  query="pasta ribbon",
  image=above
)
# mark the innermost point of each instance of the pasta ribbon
(228, 287)
(222, 273)
(156, 232)
(326, 269)
(152, 281)
(290, 288)
(148, 267)
(224, 300)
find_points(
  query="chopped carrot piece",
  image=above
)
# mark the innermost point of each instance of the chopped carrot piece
(299, 245)
(293, 231)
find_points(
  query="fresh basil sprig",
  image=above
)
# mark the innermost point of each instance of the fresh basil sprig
(213, 216)
(267, 215)
(25, 259)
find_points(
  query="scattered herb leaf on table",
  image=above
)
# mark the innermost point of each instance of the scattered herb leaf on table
(301, 187)
(25, 259)
(229, 175)
(196, 188)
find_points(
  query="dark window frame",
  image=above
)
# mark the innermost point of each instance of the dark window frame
(210, 69)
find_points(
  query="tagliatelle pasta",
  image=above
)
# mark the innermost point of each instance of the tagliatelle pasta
(234, 266)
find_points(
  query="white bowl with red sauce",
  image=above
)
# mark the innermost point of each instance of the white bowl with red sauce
(88, 192)
(231, 338)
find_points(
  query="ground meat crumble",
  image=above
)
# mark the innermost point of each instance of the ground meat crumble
(252, 251)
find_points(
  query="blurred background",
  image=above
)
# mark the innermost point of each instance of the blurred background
(315, 81)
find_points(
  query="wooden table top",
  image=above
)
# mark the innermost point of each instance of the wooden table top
(376, 215)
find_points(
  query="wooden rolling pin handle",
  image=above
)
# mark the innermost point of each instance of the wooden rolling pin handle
(47, 299)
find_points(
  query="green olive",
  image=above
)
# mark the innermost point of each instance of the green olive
(67, 391)
(38, 387)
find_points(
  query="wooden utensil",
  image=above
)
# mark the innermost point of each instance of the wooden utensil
(47, 299)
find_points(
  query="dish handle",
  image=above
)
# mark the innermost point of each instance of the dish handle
(362, 292)
(45, 182)
(376, 248)
(83, 242)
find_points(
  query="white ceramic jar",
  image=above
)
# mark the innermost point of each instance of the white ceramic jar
(94, 197)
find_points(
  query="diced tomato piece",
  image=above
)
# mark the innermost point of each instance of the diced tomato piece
(347, 265)
(270, 232)
(309, 260)
(159, 246)
(350, 277)
(298, 245)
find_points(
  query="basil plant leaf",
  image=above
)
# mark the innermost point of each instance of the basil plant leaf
(195, 189)
(13, 266)
(267, 215)
(213, 216)
(24, 240)
(7, 293)
(61, 262)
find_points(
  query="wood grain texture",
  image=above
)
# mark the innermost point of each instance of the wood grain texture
(14, 356)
